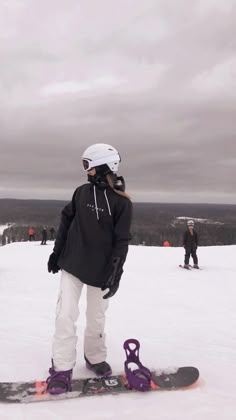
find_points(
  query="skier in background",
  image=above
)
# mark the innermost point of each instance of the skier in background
(31, 233)
(44, 236)
(52, 233)
(91, 247)
(190, 243)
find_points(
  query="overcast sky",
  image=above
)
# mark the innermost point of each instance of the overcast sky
(156, 79)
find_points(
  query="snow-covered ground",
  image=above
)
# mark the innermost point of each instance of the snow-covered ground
(180, 317)
(198, 220)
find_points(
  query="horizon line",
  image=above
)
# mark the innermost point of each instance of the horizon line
(133, 201)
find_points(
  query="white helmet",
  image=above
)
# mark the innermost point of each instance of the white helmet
(101, 154)
(190, 223)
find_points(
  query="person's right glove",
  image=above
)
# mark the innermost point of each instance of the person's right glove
(113, 281)
(52, 263)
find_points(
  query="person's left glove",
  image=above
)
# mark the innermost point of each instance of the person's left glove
(52, 263)
(113, 281)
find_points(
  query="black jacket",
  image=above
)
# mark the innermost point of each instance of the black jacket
(44, 234)
(190, 241)
(94, 228)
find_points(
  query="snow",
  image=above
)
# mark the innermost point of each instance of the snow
(199, 220)
(180, 317)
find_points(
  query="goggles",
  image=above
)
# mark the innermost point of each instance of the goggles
(87, 164)
(111, 161)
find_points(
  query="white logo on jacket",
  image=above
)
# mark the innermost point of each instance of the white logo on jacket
(93, 207)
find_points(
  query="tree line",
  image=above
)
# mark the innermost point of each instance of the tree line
(152, 224)
(150, 235)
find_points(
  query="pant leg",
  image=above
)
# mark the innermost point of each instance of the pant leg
(187, 256)
(194, 255)
(67, 312)
(94, 338)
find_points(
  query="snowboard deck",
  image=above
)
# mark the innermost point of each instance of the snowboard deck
(191, 267)
(35, 391)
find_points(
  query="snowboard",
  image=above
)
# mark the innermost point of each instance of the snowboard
(189, 267)
(35, 391)
(199, 268)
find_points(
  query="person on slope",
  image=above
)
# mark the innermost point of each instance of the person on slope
(31, 233)
(52, 233)
(90, 248)
(190, 243)
(44, 236)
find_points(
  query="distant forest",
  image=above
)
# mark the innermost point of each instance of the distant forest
(153, 223)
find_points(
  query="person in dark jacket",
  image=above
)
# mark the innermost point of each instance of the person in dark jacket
(44, 236)
(190, 243)
(52, 233)
(90, 248)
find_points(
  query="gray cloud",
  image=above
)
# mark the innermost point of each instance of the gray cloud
(156, 79)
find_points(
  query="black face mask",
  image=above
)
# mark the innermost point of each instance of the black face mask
(97, 179)
(100, 178)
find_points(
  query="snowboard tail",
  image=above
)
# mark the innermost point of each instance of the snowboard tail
(35, 391)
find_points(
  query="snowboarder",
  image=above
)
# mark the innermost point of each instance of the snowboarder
(190, 243)
(44, 236)
(90, 248)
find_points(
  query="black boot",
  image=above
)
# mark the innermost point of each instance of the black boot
(102, 369)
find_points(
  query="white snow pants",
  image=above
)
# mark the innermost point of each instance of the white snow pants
(67, 312)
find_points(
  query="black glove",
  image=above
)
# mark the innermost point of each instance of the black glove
(52, 263)
(113, 280)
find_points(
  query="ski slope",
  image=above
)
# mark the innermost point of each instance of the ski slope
(180, 317)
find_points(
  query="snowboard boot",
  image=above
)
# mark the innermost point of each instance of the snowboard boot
(102, 369)
(59, 382)
(186, 266)
(196, 266)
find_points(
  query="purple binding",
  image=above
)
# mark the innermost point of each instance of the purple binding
(140, 378)
(59, 382)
